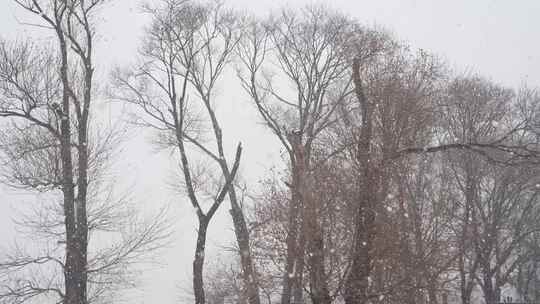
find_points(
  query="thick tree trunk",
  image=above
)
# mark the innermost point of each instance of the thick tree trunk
(198, 262)
(298, 287)
(319, 287)
(291, 241)
(315, 245)
(357, 282)
(290, 259)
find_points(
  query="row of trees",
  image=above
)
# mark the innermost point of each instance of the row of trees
(404, 182)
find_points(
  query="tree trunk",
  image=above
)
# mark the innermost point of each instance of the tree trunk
(468, 228)
(291, 241)
(319, 287)
(75, 264)
(242, 237)
(491, 294)
(298, 288)
(198, 262)
(315, 243)
(432, 292)
(82, 185)
(357, 282)
(445, 298)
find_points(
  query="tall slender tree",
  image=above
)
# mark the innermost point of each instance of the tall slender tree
(186, 50)
(46, 100)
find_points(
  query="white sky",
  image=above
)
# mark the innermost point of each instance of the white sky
(499, 39)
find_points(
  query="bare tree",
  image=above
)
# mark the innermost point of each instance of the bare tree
(186, 50)
(45, 98)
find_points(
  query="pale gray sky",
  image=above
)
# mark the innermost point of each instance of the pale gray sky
(499, 39)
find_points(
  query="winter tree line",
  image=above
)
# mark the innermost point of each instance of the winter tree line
(405, 182)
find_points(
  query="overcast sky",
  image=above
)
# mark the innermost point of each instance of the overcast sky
(498, 39)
